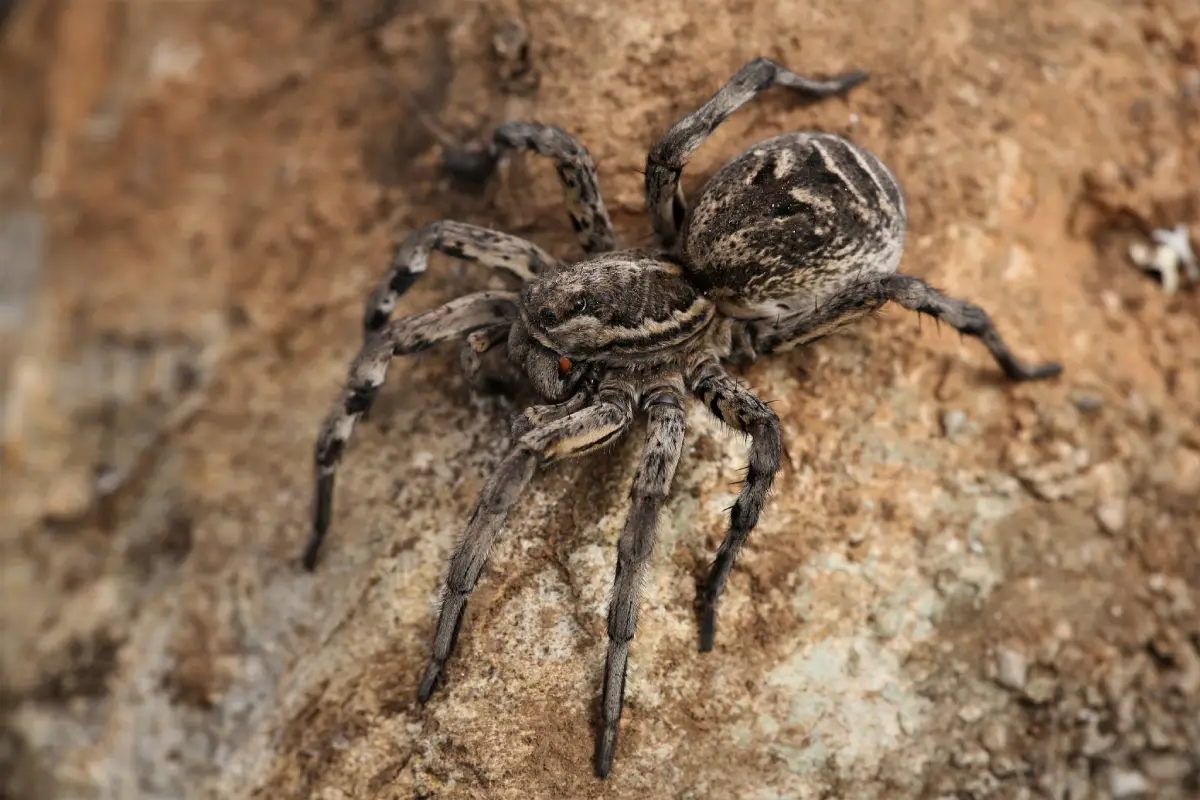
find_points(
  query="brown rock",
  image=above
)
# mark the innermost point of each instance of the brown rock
(239, 213)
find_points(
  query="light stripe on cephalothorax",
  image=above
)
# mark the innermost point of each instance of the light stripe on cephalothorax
(650, 335)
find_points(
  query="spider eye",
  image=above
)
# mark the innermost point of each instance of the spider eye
(547, 317)
(580, 305)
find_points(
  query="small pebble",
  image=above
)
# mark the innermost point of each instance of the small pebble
(1048, 650)
(1126, 713)
(1078, 788)
(953, 422)
(970, 713)
(1040, 691)
(1167, 767)
(994, 737)
(1158, 738)
(1003, 766)
(1087, 402)
(1094, 742)
(887, 622)
(1127, 783)
(70, 496)
(964, 759)
(1012, 669)
(860, 535)
(1111, 515)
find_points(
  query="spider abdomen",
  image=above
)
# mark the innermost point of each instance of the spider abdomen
(792, 221)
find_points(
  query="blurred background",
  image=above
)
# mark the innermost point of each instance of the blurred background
(963, 588)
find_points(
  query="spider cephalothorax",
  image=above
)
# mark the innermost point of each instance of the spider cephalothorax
(796, 237)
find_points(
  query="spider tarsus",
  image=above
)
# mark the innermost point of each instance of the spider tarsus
(1016, 371)
(472, 165)
(322, 514)
(713, 587)
(606, 749)
(708, 626)
(848, 80)
(429, 683)
(309, 559)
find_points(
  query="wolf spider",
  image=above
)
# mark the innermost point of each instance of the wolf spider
(799, 235)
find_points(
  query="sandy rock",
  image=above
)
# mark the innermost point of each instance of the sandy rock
(230, 180)
(1127, 783)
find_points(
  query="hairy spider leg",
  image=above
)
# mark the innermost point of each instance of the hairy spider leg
(667, 158)
(367, 373)
(915, 295)
(651, 486)
(738, 408)
(576, 172)
(584, 431)
(512, 254)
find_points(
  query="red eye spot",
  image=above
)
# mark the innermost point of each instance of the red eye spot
(564, 365)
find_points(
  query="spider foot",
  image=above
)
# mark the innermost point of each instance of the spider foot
(1016, 371)
(708, 628)
(473, 165)
(606, 749)
(429, 683)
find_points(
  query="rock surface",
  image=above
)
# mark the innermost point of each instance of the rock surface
(220, 184)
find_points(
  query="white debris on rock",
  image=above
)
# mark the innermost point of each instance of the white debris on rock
(1171, 250)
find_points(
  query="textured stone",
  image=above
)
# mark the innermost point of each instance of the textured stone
(1012, 669)
(217, 213)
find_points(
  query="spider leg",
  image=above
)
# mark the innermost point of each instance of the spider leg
(584, 431)
(576, 171)
(651, 485)
(740, 409)
(915, 295)
(367, 373)
(667, 158)
(501, 251)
